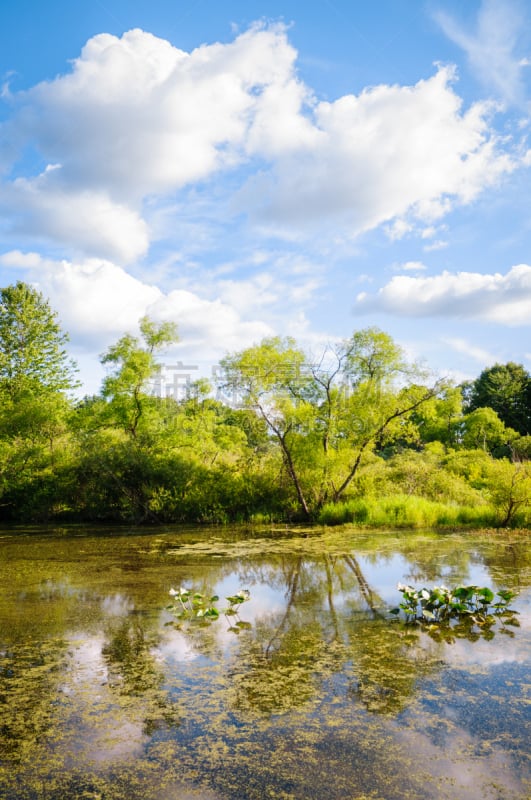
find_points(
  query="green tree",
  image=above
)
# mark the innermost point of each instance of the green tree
(371, 356)
(328, 415)
(383, 395)
(439, 419)
(134, 366)
(506, 388)
(273, 380)
(35, 376)
(521, 448)
(483, 429)
(119, 453)
(509, 489)
(33, 352)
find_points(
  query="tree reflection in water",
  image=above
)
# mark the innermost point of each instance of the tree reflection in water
(283, 663)
(133, 671)
(102, 697)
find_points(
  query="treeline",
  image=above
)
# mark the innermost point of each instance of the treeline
(356, 433)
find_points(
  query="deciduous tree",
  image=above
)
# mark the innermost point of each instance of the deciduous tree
(33, 355)
(36, 375)
(328, 414)
(134, 365)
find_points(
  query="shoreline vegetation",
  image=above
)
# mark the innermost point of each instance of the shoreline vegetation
(356, 434)
(254, 528)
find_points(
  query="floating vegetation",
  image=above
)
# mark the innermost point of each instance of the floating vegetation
(459, 610)
(190, 606)
(105, 693)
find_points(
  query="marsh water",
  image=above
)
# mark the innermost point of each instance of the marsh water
(312, 690)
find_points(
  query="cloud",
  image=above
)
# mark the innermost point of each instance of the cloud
(208, 328)
(100, 301)
(438, 244)
(138, 116)
(290, 281)
(492, 49)
(83, 220)
(411, 266)
(505, 299)
(136, 121)
(19, 260)
(472, 351)
(392, 153)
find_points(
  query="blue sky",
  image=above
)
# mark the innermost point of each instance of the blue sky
(248, 169)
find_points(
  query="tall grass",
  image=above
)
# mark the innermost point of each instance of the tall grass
(405, 511)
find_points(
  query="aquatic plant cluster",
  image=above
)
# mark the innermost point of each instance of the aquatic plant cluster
(190, 606)
(441, 605)
(440, 608)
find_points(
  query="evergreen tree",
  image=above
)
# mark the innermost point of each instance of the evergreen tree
(506, 388)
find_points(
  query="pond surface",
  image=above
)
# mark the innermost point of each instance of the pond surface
(314, 690)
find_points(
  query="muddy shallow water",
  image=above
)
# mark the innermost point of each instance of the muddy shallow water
(312, 690)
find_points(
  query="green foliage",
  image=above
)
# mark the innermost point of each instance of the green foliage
(521, 448)
(371, 356)
(421, 474)
(510, 490)
(505, 388)
(439, 418)
(32, 346)
(190, 607)
(440, 606)
(356, 435)
(406, 511)
(134, 365)
(356, 511)
(472, 465)
(483, 429)
(35, 376)
(327, 416)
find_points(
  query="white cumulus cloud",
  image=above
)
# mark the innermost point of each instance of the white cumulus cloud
(136, 120)
(137, 115)
(505, 299)
(82, 220)
(390, 153)
(99, 302)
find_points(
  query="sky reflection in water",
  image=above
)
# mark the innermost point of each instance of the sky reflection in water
(325, 695)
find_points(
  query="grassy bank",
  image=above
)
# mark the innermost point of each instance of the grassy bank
(410, 511)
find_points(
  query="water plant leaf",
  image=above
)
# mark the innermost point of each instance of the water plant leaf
(193, 606)
(506, 595)
(464, 605)
(485, 595)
